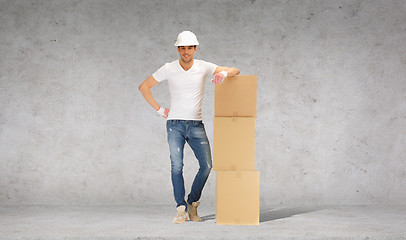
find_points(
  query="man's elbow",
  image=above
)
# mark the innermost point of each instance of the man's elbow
(235, 71)
(141, 87)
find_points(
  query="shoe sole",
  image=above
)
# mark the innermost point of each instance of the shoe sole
(194, 220)
(181, 221)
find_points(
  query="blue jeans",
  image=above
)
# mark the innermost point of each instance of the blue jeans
(192, 132)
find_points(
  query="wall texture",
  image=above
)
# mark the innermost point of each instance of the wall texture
(331, 126)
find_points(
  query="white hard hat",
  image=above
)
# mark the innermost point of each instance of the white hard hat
(186, 38)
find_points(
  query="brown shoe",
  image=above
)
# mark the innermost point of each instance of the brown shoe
(181, 217)
(192, 211)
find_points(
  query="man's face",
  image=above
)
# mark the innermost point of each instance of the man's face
(186, 53)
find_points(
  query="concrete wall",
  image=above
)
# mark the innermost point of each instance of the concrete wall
(331, 98)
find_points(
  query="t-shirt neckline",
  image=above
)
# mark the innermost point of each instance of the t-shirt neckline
(194, 63)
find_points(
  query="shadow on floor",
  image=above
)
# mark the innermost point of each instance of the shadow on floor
(274, 214)
(279, 213)
(208, 217)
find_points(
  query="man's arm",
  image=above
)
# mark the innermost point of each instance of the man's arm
(222, 72)
(145, 89)
(231, 72)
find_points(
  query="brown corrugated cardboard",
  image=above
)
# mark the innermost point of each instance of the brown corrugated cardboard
(234, 144)
(237, 198)
(236, 97)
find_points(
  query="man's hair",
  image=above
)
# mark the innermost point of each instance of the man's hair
(186, 46)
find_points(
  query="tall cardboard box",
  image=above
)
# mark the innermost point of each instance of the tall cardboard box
(237, 201)
(236, 97)
(234, 144)
(237, 183)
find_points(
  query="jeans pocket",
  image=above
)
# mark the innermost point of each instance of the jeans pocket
(198, 124)
(169, 122)
(169, 125)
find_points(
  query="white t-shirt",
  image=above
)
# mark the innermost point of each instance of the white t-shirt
(186, 87)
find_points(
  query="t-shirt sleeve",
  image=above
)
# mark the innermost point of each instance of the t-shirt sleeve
(210, 68)
(160, 74)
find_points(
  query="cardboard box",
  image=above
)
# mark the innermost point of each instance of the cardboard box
(237, 198)
(234, 144)
(236, 97)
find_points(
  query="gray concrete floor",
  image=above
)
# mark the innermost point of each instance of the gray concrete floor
(155, 222)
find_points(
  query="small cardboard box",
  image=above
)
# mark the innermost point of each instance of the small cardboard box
(236, 97)
(237, 198)
(234, 144)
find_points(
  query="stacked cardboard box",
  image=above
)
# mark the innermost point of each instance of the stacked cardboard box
(237, 190)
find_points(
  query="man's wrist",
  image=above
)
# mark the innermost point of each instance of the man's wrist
(224, 73)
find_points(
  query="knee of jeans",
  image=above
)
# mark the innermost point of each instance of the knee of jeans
(176, 168)
(206, 168)
(209, 162)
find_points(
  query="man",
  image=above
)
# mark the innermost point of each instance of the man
(186, 80)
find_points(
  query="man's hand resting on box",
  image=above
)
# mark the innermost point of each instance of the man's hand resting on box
(219, 77)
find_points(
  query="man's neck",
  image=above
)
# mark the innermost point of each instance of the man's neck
(186, 65)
